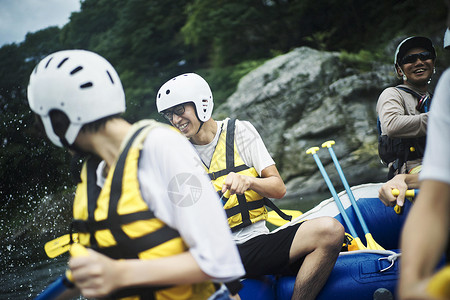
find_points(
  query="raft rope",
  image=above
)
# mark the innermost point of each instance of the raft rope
(391, 256)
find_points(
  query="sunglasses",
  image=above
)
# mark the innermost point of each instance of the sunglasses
(178, 110)
(408, 59)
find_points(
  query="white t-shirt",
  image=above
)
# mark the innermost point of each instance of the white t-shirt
(254, 153)
(174, 184)
(436, 163)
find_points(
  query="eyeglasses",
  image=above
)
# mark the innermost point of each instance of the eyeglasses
(178, 110)
(413, 57)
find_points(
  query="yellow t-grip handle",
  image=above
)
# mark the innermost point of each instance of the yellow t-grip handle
(409, 193)
(439, 285)
(395, 192)
(312, 150)
(328, 144)
(76, 250)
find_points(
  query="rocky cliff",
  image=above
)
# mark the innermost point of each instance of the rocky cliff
(304, 98)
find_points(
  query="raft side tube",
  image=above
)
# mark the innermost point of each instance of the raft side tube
(356, 275)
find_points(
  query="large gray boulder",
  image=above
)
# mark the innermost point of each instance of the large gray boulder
(304, 98)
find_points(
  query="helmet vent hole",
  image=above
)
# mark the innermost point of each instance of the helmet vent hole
(205, 105)
(167, 92)
(46, 65)
(77, 69)
(62, 62)
(110, 77)
(86, 85)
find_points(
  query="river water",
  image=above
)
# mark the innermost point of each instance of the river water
(25, 270)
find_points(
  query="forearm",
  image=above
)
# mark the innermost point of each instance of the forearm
(172, 270)
(269, 184)
(98, 276)
(406, 126)
(270, 187)
(411, 180)
(425, 234)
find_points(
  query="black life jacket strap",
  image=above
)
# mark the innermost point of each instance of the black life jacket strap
(93, 191)
(229, 144)
(215, 175)
(244, 209)
(275, 208)
(232, 211)
(115, 194)
(142, 243)
(92, 225)
(408, 90)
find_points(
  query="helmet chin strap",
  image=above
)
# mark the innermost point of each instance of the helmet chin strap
(200, 127)
(78, 154)
(201, 122)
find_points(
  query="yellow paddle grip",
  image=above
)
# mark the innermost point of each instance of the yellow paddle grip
(76, 250)
(439, 285)
(328, 144)
(395, 192)
(312, 150)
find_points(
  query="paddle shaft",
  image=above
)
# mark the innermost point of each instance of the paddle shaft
(55, 289)
(348, 190)
(335, 196)
(65, 282)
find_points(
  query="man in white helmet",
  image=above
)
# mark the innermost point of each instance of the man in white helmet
(403, 110)
(244, 174)
(144, 203)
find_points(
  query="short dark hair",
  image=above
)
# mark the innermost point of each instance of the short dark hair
(98, 124)
(60, 123)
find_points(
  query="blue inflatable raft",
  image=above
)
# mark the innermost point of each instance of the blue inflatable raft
(361, 274)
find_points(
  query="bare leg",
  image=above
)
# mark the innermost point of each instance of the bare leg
(319, 241)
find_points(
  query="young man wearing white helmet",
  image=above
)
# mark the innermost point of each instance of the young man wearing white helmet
(237, 161)
(153, 235)
(403, 110)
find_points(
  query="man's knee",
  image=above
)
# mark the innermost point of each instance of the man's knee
(330, 231)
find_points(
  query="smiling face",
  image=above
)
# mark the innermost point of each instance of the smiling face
(187, 122)
(417, 72)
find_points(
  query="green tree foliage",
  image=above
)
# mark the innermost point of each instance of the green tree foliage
(151, 41)
(22, 153)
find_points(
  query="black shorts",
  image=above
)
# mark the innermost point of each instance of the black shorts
(268, 254)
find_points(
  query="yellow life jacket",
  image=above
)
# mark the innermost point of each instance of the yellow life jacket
(117, 222)
(241, 210)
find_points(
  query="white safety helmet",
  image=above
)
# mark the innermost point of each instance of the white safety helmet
(188, 87)
(81, 84)
(412, 42)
